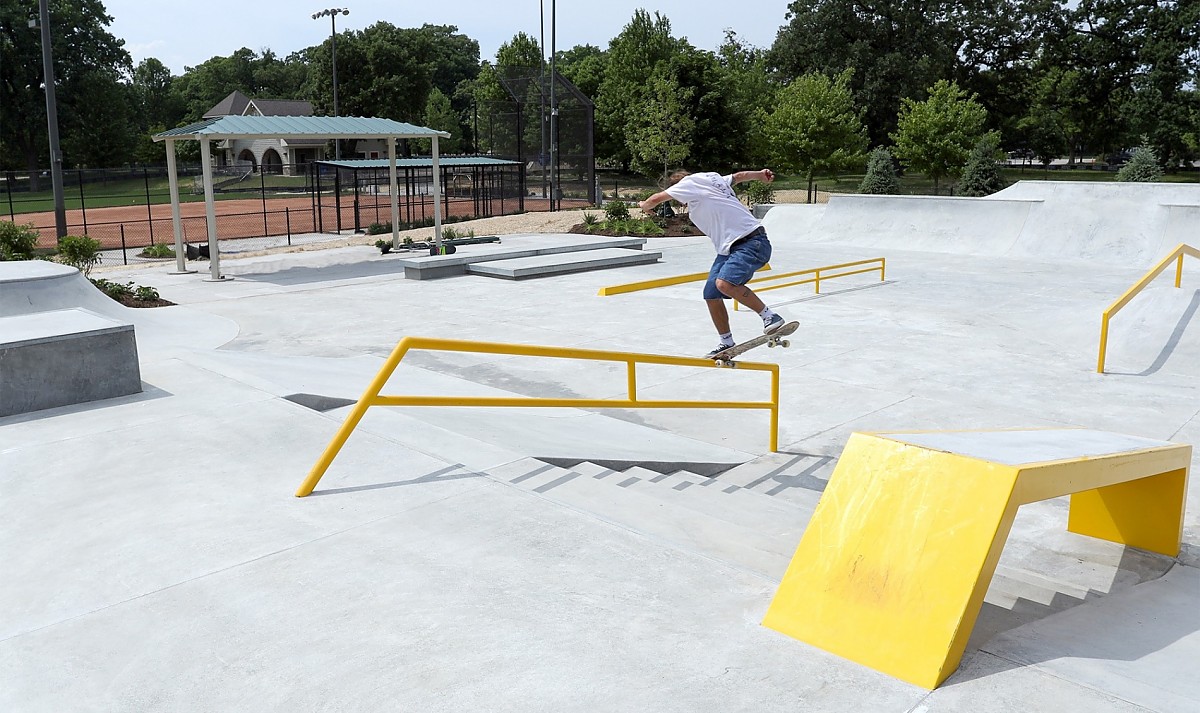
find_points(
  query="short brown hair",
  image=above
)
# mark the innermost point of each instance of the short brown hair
(670, 178)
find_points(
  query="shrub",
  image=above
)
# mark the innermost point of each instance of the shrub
(79, 251)
(145, 292)
(114, 290)
(647, 226)
(451, 234)
(591, 219)
(157, 250)
(758, 192)
(17, 242)
(881, 176)
(1142, 167)
(616, 211)
(379, 228)
(981, 176)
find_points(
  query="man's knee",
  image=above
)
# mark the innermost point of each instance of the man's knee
(726, 287)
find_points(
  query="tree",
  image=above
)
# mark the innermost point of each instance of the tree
(89, 63)
(935, 136)
(881, 176)
(633, 56)
(981, 176)
(1142, 167)
(815, 126)
(750, 93)
(1057, 113)
(440, 115)
(661, 136)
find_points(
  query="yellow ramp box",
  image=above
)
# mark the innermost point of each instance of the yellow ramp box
(893, 567)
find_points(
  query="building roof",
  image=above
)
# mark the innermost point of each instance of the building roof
(288, 127)
(231, 105)
(282, 107)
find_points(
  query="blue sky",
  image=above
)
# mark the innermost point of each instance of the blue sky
(186, 34)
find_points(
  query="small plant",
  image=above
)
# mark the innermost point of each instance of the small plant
(145, 293)
(408, 242)
(379, 228)
(616, 211)
(114, 290)
(881, 176)
(79, 251)
(1142, 167)
(385, 246)
(17, 242)
(451, 234)
(591, 219)
(157, 250)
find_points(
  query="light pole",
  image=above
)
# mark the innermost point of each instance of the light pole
(56, 177)
(332, 14)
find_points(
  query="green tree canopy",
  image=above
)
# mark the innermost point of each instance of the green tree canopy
(815, 126)
(881, 178)
(936, 136)
(661, 135)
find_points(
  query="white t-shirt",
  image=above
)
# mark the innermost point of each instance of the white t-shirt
(715, 209)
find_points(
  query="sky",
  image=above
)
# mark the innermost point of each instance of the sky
(187, 34)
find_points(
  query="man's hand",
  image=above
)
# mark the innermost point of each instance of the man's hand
(647, 207)
(768, 175)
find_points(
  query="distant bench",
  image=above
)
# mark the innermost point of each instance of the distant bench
(435, 266)
(64, 357)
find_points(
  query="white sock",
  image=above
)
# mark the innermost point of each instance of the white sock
(727, 339)
(766, 314)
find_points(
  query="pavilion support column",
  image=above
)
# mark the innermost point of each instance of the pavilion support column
(437, 198)
(176, 220)
(393, 192)
(210, 212)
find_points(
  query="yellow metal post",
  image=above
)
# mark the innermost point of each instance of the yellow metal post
(632, 379)
(1179, 271)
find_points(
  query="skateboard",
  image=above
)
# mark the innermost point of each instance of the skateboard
(726, 358)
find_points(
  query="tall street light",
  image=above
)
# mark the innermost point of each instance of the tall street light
(56, 175)
(332, 14)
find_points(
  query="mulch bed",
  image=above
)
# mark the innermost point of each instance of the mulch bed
(135, 302)
(676, 227)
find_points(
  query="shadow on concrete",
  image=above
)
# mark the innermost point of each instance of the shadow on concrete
(1173, 341)
(453, 472)
(832, 293)
(149, 392)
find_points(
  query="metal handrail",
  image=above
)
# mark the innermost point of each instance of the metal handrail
(372, 396)
(817, 275)
(1176, 255)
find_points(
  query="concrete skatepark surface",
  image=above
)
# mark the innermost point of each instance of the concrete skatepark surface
(157, 560)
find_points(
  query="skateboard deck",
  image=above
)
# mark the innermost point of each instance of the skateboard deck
(726, 358)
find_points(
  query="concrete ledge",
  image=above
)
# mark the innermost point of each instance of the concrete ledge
(64, 357)
(435, 266)
(559, 263)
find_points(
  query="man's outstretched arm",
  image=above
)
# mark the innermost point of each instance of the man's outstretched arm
(654, 201)
(766, 175)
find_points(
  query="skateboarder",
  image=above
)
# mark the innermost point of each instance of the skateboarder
(739, 238)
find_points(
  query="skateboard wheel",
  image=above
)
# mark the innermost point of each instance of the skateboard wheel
(771, 344)
(786, 343)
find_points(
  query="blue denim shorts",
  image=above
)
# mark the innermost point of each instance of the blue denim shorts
(744, 259)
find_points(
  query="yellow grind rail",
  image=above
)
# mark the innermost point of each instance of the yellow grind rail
(372, 396)
(1176, 256)
(818, 274)
(660, 282)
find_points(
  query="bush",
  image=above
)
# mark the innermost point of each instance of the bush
(615, 211)
(145, 292)
(1142, 167)
(758, 193)
(379, 228)
(881, 176)
(157, 250)
(17, 242)
(79, 251)
(114, 290)
(591, 219)
(981, 176)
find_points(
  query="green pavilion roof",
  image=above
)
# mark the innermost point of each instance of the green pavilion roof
(285, 127)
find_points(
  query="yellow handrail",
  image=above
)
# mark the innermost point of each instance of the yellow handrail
(817, 275)
(660, 282)
(1176, 255)
(372, 397)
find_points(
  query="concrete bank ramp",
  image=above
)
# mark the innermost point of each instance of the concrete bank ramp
(32, 286)
(1108, 223)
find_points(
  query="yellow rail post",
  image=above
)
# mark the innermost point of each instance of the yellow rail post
(817, 276)
(372, 396)
(1177, 256)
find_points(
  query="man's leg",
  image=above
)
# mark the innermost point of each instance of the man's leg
(720, 315)
(741, 293)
